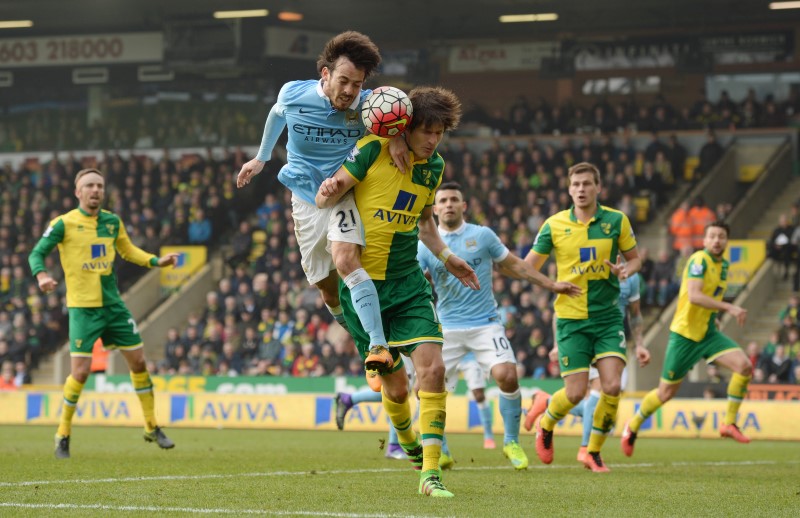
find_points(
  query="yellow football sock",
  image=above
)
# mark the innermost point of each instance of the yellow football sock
(432, 416)
(605, 415)
(737, 390)
(72, 391)
(400, 416)
(558, 408)
(144, 389)
(649, 405)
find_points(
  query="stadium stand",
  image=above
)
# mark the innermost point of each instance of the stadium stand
(513, 183)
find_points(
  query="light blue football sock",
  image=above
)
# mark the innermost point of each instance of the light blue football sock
(445, 448)
(393, 435)
(485, 412)
(367, 395)
(588, 415)
(365, 301)
(577, 410)
(510, 410)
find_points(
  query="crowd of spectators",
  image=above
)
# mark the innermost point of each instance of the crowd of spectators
(147, 121)
(784, 245)
(778, 361)
(141, 124)
(602, 117)
(160, 202)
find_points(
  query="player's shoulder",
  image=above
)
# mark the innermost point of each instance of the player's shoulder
(562, 216)
(373, 140)
(294, 90)
(69, 216)
(106, 216)
(481, 231)
(698, 256)
(370, 144)
(436, 162)
(613, 215)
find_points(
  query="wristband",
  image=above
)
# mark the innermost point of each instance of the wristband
(445, 254)
(153, 261)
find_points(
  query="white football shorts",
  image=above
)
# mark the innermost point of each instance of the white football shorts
(316, 228)
(488, 343)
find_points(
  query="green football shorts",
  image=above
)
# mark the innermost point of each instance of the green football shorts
(682, 354)
(407, 311)
(114, 324)
(582, 342)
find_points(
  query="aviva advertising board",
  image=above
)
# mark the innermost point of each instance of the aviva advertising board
(688, 418)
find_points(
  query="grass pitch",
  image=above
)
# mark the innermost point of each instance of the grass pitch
(113, 472)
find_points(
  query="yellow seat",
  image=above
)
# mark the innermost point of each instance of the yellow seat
(750, 172)
(688, 169)
(642, 204)
(259, 245)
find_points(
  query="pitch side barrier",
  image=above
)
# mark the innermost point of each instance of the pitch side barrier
(308, 404)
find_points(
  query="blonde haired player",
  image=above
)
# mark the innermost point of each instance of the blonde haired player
(88, 239)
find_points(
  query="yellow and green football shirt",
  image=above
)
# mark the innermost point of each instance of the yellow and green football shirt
(87, 246)
(580, 253)
(691, 320)
(390, 203)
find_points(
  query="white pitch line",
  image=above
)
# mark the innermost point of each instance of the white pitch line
(114, 480)
(193, 510)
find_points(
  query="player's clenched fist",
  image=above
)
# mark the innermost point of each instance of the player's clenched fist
(329, 187)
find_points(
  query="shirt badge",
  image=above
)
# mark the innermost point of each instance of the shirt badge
(351, 118)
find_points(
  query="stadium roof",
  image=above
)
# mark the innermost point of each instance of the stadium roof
(408, 22)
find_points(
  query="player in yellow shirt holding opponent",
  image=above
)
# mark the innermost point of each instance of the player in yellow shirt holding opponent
(397, 212)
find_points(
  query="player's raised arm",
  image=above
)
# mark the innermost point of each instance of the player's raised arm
(513, 266)
(429, 235)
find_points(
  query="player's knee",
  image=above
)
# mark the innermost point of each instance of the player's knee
(431, 374)
(347, 258)
(576, 394)
(667, 392)
(746, 369)
(611, 387)
(137, 365)
(506, 379)
(80, 373)
(396, 393)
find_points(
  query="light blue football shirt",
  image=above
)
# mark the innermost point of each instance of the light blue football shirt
(628, 292)
(320, 137)
(460, 307)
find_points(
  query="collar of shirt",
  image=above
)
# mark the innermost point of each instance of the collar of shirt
(84, 213)
(321, 93)
(597, 215)
(459, 230)
(713, 258)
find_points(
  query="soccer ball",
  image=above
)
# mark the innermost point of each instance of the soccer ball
(387, 111)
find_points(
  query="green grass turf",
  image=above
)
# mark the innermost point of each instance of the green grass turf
(242, 472)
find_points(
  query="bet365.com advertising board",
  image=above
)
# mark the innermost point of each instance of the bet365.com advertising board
(687, 418)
